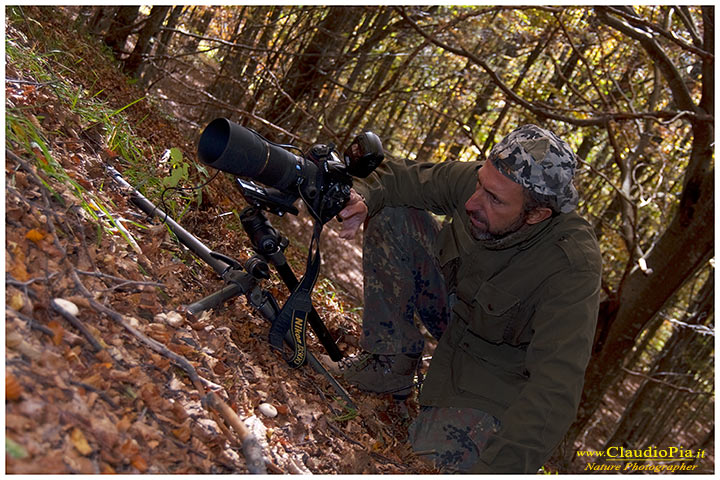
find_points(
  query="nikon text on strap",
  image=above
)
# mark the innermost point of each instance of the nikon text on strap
(294, 313)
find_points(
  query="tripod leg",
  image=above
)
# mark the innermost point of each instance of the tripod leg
(271, 306)
(214, 300)
(317, 366)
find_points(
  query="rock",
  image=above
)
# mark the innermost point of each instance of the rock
(268, 410)
(67, 305)
(174, 319)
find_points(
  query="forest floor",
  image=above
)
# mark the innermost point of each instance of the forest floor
(98, 395)
(94, 396)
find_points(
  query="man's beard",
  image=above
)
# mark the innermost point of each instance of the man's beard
(485, 234)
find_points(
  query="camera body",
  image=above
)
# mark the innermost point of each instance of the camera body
(321, 177)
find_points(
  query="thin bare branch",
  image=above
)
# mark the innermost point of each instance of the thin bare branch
(75, 322)
(663, 382)
(637, 21)
(681, 94)
(595, 119)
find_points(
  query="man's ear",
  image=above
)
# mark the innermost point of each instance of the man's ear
(537, 215)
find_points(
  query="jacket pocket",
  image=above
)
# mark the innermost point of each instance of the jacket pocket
(445, 247)
(489, 370)
(494, 313)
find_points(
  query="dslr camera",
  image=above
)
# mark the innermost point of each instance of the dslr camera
(321, 177)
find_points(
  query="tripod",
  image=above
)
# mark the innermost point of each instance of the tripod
(269, 247)
(246, 279)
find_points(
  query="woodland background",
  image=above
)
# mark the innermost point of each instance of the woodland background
(630, 88)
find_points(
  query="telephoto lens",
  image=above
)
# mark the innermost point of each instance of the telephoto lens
(234, 149)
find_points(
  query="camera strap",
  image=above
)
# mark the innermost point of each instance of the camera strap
(294, 314)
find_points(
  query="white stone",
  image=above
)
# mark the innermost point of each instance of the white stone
(174, 319)
(67, 305)
(268, 410)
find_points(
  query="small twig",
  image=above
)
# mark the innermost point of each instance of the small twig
(130, 282)
(385, 459)
(250, 446)
(375, 455)
(274, 468)
(30, 321)
(30, 82)
(605, 177)
(11, 281)
(102, 394)
(337, 429)
(252, 450)
(211, 385)
(425, 452)
(320, 391)
(667, 384)
(124, 281)
(77, 324)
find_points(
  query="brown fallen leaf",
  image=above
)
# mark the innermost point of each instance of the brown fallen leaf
(79, 300)
(17, 301)
(124, 424)
(35, 236)
(13, 389)
(18, 271)
(105, 432)
(78, 440)
(140, 463)
(183, 433)
(58, 332)
(130, 448)
(179, 411)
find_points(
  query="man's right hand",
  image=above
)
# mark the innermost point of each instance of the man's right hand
(353, 215)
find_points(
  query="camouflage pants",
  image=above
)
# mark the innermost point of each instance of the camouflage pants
(452, 438)
(401, 279)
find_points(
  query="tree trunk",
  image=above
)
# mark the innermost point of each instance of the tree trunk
(376, 92)
(394, 118)
(686, 245)
(346, 100)
(435, 132)
(227, 83)
(199, 25)
(101, 20)
(121, 28)
(651, 396)
(159, 60)
(306, 74)
(134, 63)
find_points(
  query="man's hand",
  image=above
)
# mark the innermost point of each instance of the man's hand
(353, 215)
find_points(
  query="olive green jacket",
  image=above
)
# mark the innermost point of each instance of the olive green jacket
(523, 318)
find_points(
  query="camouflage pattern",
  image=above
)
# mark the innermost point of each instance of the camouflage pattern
(452, 438)
(540, 161)
(401, 278)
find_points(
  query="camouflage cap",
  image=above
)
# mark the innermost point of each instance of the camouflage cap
(540, 161)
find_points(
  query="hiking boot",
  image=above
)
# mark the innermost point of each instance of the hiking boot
(379, 373)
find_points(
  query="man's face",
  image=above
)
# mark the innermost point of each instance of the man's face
(496, 209)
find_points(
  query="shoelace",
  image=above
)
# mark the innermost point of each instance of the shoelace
(365, 359)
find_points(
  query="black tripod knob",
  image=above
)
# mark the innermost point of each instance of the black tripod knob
(257, 267)
(263, 236)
